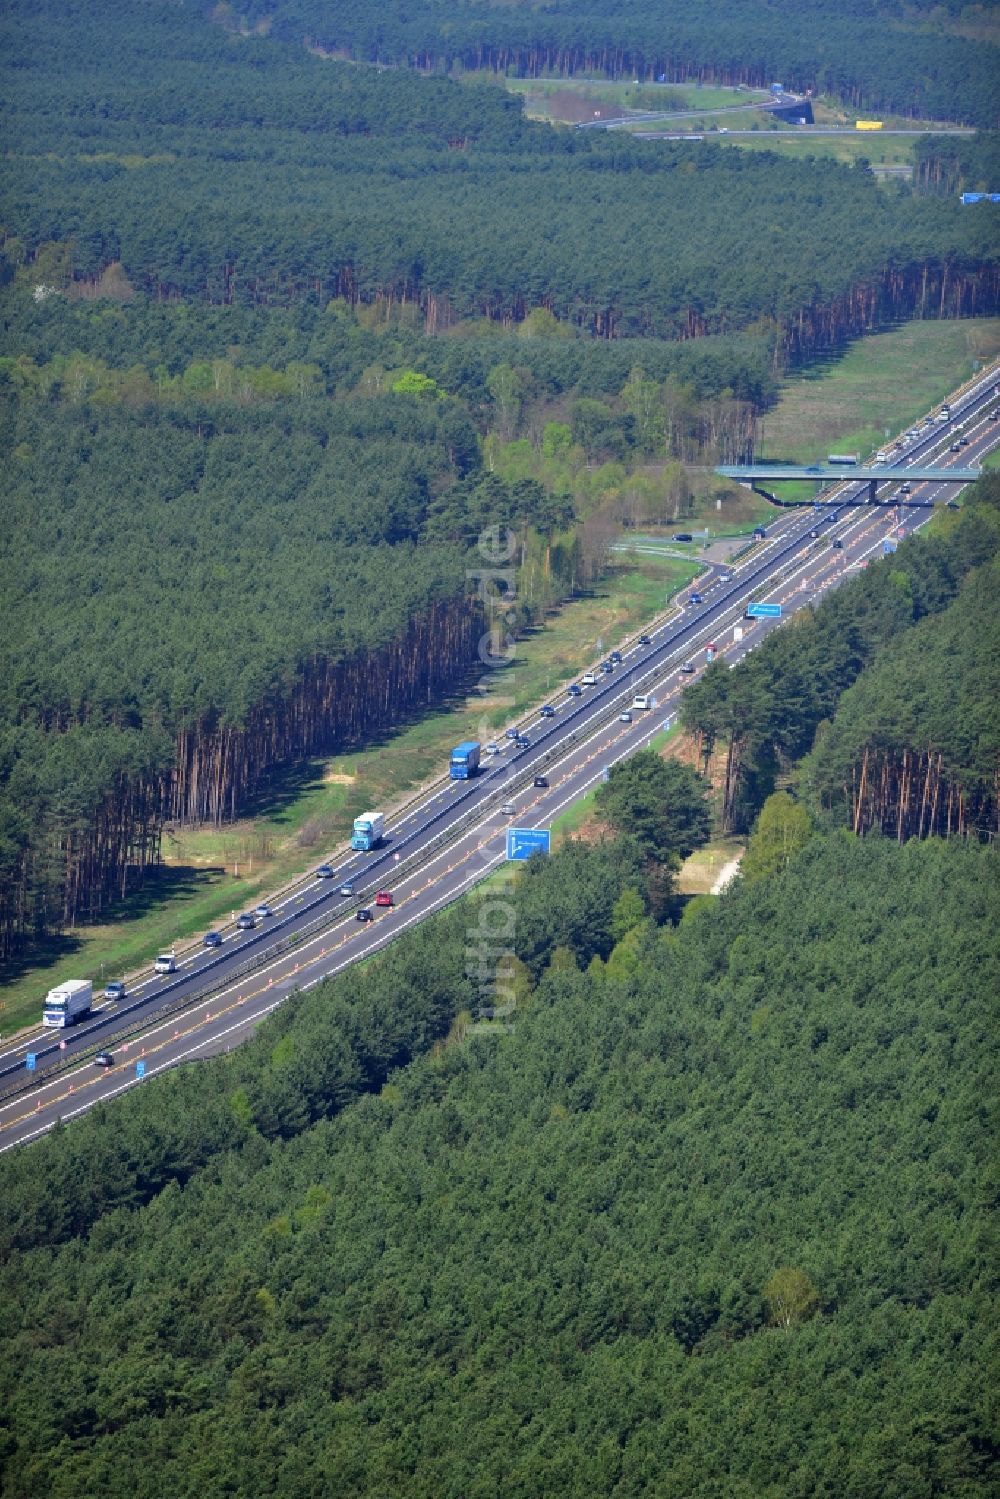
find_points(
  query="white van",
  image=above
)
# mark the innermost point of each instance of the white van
(589, 679)
(642, 700)
(166, 963)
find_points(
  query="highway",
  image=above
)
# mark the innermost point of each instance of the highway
(441, 845)
(792, 133)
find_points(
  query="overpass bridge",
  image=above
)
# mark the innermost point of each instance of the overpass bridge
(756, 474)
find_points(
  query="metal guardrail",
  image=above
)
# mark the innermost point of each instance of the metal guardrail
(455, 831)
(184, 947)
(452, 834)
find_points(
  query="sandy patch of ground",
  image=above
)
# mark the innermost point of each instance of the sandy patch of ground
(573, 108)
(726, 875)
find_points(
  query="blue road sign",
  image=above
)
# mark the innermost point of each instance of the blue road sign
(523, 842)
(140, 1069)
(764, 611)
(29, 1061)
(888, 545)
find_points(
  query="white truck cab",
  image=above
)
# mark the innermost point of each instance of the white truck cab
(166, 963)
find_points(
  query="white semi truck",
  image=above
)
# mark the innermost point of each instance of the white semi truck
(68, 1003)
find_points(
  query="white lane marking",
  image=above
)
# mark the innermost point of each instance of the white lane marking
(865, 519)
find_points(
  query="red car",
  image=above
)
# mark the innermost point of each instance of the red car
(383, 898)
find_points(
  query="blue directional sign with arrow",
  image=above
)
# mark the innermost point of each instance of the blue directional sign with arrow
(523, 842)
(764, 611)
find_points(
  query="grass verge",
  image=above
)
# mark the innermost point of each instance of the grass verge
(209, 873)
(881, 385)
(705, 865)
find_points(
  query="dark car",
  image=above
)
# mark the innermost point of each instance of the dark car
(694, 598)
(837, 544)
(246, 922)
(645, 640)
(607, 666)
(814, 532)
(324, 872)
(956, 447)
(575, 690)
(963, 442)
(688, 668)
(115, 990)
(759, 533)
(363, 914)
(522, 741)
(684, 536)
(212, 939)
(512, 733)
(548, 711)
(615, 658)
(104, 1059)
(541, 780)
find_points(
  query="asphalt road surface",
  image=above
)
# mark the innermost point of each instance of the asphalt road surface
(442, 845)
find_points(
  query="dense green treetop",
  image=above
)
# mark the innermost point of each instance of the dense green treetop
(950, 164)
(772, 704)
(935, 690)
(873, 54)
(173, 571)
(661, 803)
(168, 338)
(237, 169)
(782, 829)
(709, 1223)
(203, 555)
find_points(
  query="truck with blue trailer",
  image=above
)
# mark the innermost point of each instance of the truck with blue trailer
(465, 760)
(368, 830)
